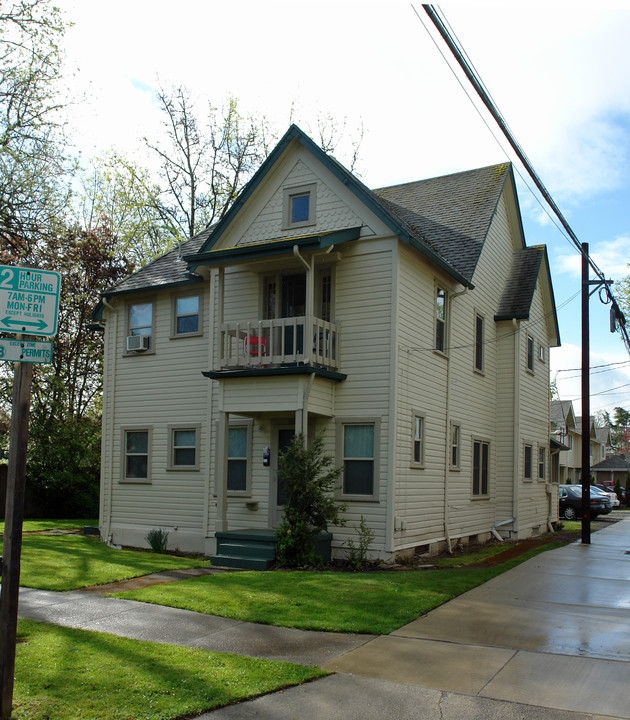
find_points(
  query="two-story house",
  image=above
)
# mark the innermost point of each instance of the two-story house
(410, 326)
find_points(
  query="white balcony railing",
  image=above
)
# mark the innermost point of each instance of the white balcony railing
(264, 343)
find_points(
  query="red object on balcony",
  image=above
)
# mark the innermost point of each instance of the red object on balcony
(256, 345)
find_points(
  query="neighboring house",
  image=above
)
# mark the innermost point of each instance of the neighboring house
(612, 469)
(566, 429)
(410, 326)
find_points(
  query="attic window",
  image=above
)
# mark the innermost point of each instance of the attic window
(299, 206)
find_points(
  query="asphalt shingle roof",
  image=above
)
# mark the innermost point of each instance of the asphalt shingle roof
(450, 215)
(518, 293)
(164, 271)
(613, 462)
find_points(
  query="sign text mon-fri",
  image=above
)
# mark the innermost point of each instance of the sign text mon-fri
(29, 300)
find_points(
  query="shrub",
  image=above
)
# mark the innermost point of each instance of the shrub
(357, 557)
(157, 540)
(309, 480)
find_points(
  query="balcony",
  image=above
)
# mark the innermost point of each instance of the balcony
(279, 342)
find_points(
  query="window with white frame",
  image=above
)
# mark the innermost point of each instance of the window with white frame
(300, 205)
(238, 461)
(440, 319)
(541, 463)
(527, 462)
(184, 447)
(479, 343)
(417, 455)
(455, 434)
(186, 315)
(481, 470)
(358, 444)
(140, 321)
(137, 454)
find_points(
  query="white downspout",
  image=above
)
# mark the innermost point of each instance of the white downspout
(447, 420)
(106, 508)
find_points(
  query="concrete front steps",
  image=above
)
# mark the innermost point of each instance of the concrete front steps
(255, 549)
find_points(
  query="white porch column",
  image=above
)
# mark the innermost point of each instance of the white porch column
(223, 425)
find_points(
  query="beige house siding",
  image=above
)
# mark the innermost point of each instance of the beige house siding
(155, 390)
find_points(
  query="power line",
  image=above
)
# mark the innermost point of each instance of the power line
(477, 83)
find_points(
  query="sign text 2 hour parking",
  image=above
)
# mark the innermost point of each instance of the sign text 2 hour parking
(29, 300)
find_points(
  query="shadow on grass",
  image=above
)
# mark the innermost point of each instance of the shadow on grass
(62, 672)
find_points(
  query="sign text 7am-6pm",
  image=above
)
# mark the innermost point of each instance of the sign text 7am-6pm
(29, 300)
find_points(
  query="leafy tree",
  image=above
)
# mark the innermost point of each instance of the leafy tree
(64, 442)
(309, 480)
(32, 164)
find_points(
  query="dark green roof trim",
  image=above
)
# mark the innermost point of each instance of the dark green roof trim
(275, 247)
(276, 371)
(362, 192)
(557, 445)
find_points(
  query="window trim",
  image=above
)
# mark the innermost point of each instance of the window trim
(457, 446)
(131, 303)
(123, 461)
(436, 295)
(248, 424)
(172, 429)
(179, 296)
(541, 352)
(359, 420)
(482, 442)
(528, 447)
(309, 189)
(479, 344)
(422, 441)
(529, 356)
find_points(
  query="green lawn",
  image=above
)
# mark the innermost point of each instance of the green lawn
(42, 525)
(66, 673)
(371, 602)
(67, 562)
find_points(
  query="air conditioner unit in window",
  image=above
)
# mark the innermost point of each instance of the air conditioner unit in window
(138, 343)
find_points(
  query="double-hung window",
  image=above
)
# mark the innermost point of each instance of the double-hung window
(440, 319)
(184, 448)
(137, 454)
(455, 447)
(186, 315)
(238, 459)
(358, 441)
(481, 461)
(479, 343)
(530, 353)
(140, 321)
(418, 440)
(527, 472)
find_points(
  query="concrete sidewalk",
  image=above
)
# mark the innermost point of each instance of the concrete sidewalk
(549, 639)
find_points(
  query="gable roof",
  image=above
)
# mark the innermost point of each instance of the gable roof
(562, 411)
(451, 213)
(613, 462)
(445, 219)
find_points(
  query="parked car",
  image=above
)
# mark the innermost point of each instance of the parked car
(611, 494)
(570, 502)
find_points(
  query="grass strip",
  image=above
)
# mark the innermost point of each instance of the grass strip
(67, 673)
(43, 525)
(370, 602)
(67, 562)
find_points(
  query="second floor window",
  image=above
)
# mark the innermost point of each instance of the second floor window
(186, 311)
(530, 353)
(440, 319)
(479, 343)
(140, 321)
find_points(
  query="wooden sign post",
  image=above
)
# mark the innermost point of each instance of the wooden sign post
(12, 547)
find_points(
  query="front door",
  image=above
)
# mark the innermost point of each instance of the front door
(283, 437)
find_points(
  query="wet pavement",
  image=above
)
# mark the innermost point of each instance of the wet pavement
(550, 639)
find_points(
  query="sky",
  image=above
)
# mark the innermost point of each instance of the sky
(558, 73)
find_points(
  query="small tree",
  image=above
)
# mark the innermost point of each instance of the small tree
(309, 479)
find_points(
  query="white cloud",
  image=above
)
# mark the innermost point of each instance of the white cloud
(610, 256)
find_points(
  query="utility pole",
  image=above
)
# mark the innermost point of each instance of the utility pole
(586, 404)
